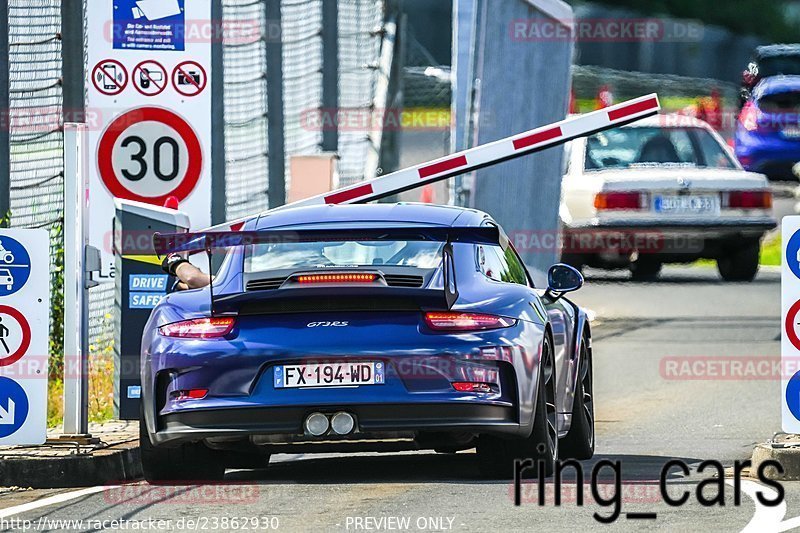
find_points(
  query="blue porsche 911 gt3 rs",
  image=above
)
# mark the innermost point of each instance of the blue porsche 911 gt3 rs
(360, 328)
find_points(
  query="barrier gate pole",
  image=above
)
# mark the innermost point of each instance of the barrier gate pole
(76, 296)
(478, 157)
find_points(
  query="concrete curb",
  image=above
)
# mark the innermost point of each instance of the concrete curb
(111, 465)
(788, 457)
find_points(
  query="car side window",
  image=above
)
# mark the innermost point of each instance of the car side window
(501, 265)
(515, 267)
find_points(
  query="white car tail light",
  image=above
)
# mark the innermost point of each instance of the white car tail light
(620, 200)
(748, 200)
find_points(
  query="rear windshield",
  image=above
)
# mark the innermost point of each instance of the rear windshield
(311, 255)
(648, 146)
(779, 65)
(783, 102)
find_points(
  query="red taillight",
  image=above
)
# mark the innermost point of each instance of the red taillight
(453, 321)
(191, 394)
(750, 199)
(468, 386)
(336, 278)
(749, 117)
(199, 328)
(620, 200)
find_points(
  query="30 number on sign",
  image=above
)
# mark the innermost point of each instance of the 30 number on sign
(149, 154)
(139, 157)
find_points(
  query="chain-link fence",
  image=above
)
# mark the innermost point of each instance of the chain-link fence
(245, 111)
(35, 113)
(302, 74)
(359, 48)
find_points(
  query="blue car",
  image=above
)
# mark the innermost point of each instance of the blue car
(364, 328)
(768, 130)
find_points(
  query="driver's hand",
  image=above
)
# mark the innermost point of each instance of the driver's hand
(171, 263)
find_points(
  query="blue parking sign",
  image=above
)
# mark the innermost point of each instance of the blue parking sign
(13, 407)
(15, 266)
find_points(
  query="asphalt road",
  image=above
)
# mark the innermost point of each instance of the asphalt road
(647, 413)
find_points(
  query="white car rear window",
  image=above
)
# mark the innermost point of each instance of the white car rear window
(653, 146)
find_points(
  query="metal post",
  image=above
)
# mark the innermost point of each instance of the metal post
(5, 124)
(218, 193)
(330, 73)
(275, 126)
(76, 294)
(72, 54)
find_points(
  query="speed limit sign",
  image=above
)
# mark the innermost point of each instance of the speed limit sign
(149, 154)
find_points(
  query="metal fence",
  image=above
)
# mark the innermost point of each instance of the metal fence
(245, 112)
(36, 109)
(359, 47)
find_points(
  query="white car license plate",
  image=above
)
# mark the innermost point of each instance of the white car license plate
(329, 375)
(686, 204)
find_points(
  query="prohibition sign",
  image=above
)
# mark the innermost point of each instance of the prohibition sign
(125, 130)
(189, 78)
(791, 321)
(150, 78)
(26, 335)
(110, 77)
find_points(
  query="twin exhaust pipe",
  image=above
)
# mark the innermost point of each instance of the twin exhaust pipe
(318, 424)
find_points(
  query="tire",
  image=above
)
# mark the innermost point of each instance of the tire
(740, 264)
(645, 269)
(579, 440)
(496, 455)
(191, 462)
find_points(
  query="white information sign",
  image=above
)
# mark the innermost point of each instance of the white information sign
(149, 109)
(24, 328)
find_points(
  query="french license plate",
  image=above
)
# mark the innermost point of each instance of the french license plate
(329, 375)
(791, 132)
(686, 204)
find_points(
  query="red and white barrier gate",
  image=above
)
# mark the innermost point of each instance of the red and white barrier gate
(481, 156)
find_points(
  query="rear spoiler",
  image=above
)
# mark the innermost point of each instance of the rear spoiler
(277, 300)
(192, 243)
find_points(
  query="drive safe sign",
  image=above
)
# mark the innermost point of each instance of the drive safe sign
(150, 139)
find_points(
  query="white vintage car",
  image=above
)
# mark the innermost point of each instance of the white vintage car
(662, 190)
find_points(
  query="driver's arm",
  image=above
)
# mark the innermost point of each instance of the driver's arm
(189, 276)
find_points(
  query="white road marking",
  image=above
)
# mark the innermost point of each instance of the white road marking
(766, 518)
(53, 500)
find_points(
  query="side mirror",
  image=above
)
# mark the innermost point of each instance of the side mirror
(562, 279)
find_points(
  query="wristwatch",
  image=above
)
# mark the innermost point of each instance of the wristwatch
(171, 262)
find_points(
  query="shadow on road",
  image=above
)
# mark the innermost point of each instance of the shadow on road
(427, 468)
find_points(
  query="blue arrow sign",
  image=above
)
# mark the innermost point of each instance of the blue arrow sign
(13, 407)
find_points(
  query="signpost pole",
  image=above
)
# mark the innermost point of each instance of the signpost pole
(76, 295)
